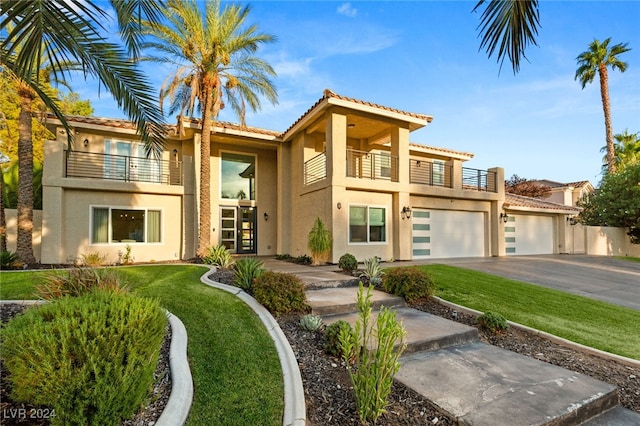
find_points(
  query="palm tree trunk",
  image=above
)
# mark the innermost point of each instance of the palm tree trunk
(604, 94)
(25, 179)
(204, 230)
(3, 220)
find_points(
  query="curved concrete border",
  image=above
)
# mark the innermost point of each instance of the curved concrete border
(177, 409)
(179, 404)
(559, 340)
(294, 400)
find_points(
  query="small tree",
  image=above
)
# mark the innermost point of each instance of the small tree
(616, 202)
(319, 241)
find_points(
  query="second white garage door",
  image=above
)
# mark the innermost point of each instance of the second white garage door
(529, 234)
(448, 233)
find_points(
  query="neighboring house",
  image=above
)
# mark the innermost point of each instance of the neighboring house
(567, 193)
(349, 162)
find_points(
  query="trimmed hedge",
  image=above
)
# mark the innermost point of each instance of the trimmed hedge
(89, 358)
(280, 292)
(410, 282)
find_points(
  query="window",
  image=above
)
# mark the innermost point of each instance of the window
(238, 176)
(367, 224)
(438, 172)
(125, 225)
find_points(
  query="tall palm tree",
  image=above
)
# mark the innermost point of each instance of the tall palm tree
(511, 25)
(215, 67)
(626, 148)
(594, 61)
(72, 31)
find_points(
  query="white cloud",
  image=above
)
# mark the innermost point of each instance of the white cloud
(347, 10)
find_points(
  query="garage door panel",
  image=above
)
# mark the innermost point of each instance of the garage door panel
(529, 234)
(448, 233)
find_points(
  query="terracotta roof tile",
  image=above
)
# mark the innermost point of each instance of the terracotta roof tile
(513, 200)
(443, 150)
(328, 93)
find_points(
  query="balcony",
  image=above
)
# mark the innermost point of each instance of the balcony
(479, 180)
(315, 169)
(122, 168)
(370, 165)
(433, 174)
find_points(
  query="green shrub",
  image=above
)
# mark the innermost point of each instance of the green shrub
(89, 358)
(79, 281)
(319, 241)
(8, 259)
(372, 272)
(377, 362)
(93, 259)
(348, 262)
(280, 293)
(284, 257)
(311, 322)
(493, 322)
(218, 256)
(303, 259)
(246, 271)
(126, 258)
(332, 333)
(410, 282)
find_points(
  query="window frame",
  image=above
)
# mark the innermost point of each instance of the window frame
(368, 241)
(231, 201)
(110, 209)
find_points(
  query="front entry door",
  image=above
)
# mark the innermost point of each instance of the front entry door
(238, 229)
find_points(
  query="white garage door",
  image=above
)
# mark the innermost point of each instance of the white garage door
(529, 234)
(447, 233)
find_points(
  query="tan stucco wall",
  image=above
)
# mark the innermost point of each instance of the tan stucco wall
(608, 241)
(11, 216)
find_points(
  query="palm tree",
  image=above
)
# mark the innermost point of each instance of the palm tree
(594, 61)
(510, 24)
(626, 148)
(214, 57)
(70, 31)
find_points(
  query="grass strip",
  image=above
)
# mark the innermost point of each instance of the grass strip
(234, 363)
(593, 323)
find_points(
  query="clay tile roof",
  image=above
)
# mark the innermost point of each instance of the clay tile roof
(443, 150)
(328, 93)
(238, 127)
(99, 121)
(579, 184)
(513, 200)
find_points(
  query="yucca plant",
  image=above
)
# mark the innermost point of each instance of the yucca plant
(319, 241)
(372, 272)
(218, 256)
(8, 259)
(247, 270)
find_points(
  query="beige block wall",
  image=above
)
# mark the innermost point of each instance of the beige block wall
(11, 216)
(609, 241)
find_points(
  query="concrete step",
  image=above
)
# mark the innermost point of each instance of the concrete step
(329, 301)
(617, 416)
(481, 385)
(425, 332)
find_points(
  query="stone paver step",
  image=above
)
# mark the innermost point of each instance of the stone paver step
(425, 332)
(617, 416)
(481, 385)
(328, 301)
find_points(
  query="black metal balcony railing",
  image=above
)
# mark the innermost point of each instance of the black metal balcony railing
(429, 173)
(122, 168)
(315, 169)
(479, 180)
(371, 165)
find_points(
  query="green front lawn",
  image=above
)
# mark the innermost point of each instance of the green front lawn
(234, 363)
(580, 319)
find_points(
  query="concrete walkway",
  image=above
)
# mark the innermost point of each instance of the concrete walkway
(478, 384)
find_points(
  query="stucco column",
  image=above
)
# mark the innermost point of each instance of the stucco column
(401, 228)
(456, 173)
(400, 150)
(496, 225)
(52, 248)
(339, 224)
(336, 134)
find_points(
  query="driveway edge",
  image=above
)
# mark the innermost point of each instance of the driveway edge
(556, 339)
(294, 400)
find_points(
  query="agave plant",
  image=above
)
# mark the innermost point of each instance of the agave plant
(311, 322)
(372, 272)
(218, 256)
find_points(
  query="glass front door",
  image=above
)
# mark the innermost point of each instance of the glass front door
(238, 229)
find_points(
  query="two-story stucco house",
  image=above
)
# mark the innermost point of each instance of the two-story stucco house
(347, 161)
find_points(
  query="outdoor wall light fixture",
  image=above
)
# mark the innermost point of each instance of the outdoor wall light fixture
(406, 212)
(572, 220)
(504, 217)
(339, 205)
(86, 143)
(266, 216)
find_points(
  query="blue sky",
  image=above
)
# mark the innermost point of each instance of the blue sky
(422, 56)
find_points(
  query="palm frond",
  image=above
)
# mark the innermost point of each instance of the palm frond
(509, 26)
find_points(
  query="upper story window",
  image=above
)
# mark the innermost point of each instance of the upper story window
(438, 172)
(367, 224)
(128, 161)
(238, 176)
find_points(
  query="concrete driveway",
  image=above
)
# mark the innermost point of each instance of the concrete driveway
(599, 277)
